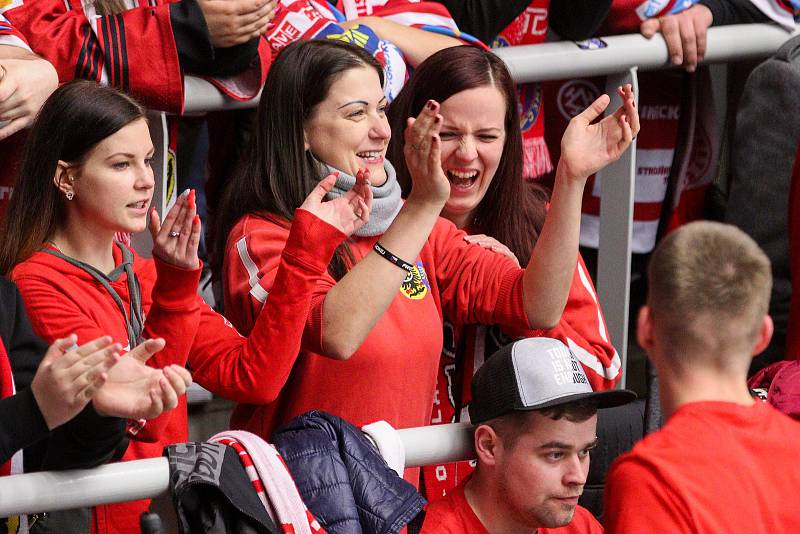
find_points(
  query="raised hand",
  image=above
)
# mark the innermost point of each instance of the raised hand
(586, 147)
(66, 380)
(490, 243)
(176, 240)
(422, 150)
(135, 391)
(348, 212)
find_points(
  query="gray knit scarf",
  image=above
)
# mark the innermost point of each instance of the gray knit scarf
(386, 201)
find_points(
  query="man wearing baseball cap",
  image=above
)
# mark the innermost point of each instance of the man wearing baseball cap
(724, 461)
(535, 417)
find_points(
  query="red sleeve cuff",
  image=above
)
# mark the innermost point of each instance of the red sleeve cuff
(175, 288)
(312, 241)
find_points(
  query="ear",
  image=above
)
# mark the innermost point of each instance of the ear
(644, 328)
(62, 179)
(306, 146)
(764, 335)
(487, 445)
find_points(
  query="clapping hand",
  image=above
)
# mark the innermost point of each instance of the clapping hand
(175, 241)
(134, 390)
(422, 150)
(67, 380)
(587, 146)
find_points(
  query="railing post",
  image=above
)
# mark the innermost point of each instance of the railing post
(616, 184)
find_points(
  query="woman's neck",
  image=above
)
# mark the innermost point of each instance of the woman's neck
(95, 248)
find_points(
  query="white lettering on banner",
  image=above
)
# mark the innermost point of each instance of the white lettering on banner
(659, 112)
(293, 26)
(5, 192)
(652, 173)
(535, 21)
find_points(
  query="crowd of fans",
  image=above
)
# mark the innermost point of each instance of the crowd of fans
(398, 239)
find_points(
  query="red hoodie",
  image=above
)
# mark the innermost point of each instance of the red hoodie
(392, 375)
(62, 299)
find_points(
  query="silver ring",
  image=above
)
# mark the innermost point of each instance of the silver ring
(174, 234)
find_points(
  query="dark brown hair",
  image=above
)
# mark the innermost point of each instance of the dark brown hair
(75, 118)
(276, 172)
(511, 426)
(512, 211)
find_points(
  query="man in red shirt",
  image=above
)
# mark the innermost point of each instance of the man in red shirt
(535, 415)
(724, 462)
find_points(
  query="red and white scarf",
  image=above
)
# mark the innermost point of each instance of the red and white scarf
(272, 481)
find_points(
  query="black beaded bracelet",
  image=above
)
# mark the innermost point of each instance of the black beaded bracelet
(392, 258)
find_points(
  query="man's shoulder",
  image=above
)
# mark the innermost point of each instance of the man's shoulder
(451, 515)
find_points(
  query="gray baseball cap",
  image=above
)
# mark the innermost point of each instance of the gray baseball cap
(534, 373)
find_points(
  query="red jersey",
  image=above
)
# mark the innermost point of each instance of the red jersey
(62, 299)
(714, 467)
(454, 515)
(392, 375)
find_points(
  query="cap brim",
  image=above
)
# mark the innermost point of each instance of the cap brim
(605, 399)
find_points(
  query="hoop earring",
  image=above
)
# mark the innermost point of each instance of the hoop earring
(70, 195)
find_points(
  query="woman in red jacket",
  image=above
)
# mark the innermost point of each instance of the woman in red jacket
(86, 176)
(482, 158)
(380, 306)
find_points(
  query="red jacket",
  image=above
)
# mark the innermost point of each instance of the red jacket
(62, 299)
(392, 376)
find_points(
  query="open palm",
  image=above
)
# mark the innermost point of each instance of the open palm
(134, 390)
(587, 147)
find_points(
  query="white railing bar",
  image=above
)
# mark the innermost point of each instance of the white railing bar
(563, 60)
(144, 479)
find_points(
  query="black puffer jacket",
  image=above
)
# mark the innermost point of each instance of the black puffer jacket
(342, 479)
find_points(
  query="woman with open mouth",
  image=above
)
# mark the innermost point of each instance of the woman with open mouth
(374, 330)
(481, 157)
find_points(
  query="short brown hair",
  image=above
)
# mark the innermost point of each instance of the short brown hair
(514, 424)
(709, 287)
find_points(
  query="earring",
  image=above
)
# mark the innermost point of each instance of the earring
(70, 195)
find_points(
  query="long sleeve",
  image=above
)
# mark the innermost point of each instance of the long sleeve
(59, 305)
(484, 19)
(86, 440)
(134, 50)
(476, 285)
(576, 20)
(582, 328)
(279, 288)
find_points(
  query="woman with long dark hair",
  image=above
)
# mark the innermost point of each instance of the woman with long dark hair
(85, 177)
(381, 304)
(482, 157)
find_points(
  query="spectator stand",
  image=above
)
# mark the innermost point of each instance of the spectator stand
(619, 58)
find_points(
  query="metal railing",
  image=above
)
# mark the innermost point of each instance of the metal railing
(144, 479)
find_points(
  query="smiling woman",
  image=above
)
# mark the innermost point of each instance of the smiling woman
(373, 333)
(86, 176)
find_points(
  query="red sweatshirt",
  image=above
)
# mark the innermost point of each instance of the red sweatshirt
(61, 299)
(392, 375)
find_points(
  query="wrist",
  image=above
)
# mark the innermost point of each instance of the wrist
(424, 203)
(566, 175)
